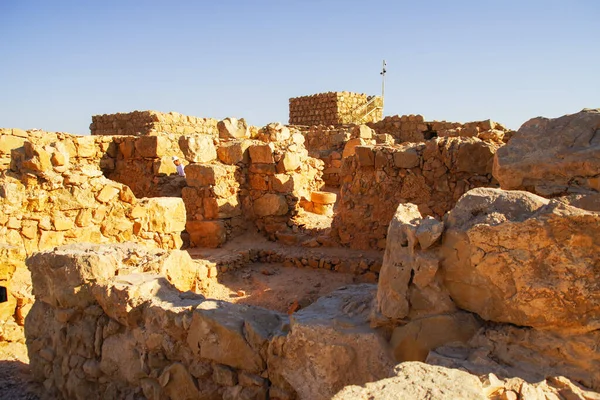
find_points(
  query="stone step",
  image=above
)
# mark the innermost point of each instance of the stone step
(238, 253)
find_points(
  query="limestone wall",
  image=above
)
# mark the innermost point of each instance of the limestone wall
(432, 175)
(413, 128)
(261, 181)
(129, 330)
(334, 108)
(55, 193)
(327, 144)
(138, 123)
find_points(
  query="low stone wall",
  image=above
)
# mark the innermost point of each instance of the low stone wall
(260, 181)
(119, 330)
(432, 175)
(334, 108)
(138, 123)
(413, 128)
(55, 193)
(327, 144)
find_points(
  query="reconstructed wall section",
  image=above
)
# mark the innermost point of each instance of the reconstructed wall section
(139, 123)
(335, 108)
(432, 175)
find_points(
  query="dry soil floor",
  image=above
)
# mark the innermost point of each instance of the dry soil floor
(275, 287)
(15, 377)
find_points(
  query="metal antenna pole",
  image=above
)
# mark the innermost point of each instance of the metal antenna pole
(382, 73)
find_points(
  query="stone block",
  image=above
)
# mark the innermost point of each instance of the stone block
(290, 161)
(199, 175)
(349, 148)
(261, 153)
(37, 159)
(86, 146)
(233, 152)
(258, 182)
(407, 158)
(363, 131)
(9, 142)
(207, 233)
(270, 204)
(266, 169)
(164, 214)
(284, 183)
(198, 148)
(475, 156)
(152, 146)
(127, 148)
(107, 193)
(221, 207)
(365, 156)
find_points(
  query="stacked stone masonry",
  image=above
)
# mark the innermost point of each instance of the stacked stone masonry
(335, 108)
(139, 123)
(54, 193)
(328, 143)
(130, 333)
(433, 175)
(413, 128)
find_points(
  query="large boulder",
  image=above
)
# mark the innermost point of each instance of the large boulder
(415, 380)
(516, 257)
(407, 282)
(508, 256)
(331, 345)
(552, 156)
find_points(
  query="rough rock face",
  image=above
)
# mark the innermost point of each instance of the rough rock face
(415, 380)
(552, 156)
(508, 257)
(531, 354)
(331, 345)
(519, 258)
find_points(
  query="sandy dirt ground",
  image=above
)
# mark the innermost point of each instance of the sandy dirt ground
(15, 378)
(273, 286)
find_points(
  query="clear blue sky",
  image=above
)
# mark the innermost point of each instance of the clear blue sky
(510, 60)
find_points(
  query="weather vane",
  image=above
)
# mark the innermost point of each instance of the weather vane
(382, 73)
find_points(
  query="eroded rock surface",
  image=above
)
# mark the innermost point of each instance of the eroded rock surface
(507, 257)
(552, 156)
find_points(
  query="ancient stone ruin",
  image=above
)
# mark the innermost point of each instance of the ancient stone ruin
(469, 254)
